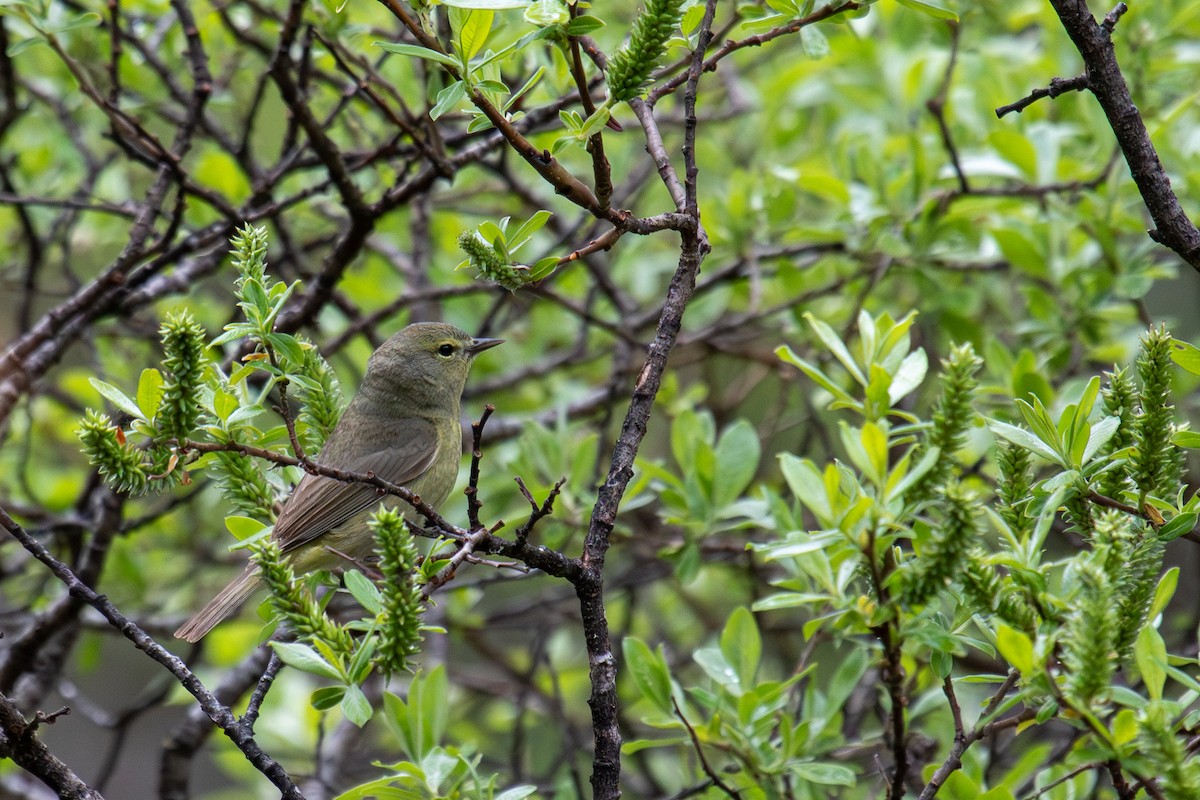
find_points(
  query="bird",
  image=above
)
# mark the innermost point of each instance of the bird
(403, 426)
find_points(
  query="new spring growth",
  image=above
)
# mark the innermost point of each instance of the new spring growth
(629, 70)
(1157, 462)
(293, 603)
(400, 614)
(184, 343)
(491, 263)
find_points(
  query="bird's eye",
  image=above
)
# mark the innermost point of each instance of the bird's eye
(446, 350)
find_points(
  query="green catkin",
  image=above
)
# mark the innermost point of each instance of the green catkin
(1120, 401)
(183, 342)
(293, 604)
(121, 464)
(243, 484)
(400, 624)
(630, 68)
(1157, 462)
(321, 402)
(1133, 563)
(490, 263)
(250, 253)
(952, 417)
(1089, 637)
(1178, 773)
(939, 560)
(1013, 489)
(986, 590)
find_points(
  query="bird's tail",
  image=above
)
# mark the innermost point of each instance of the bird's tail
(221, 606)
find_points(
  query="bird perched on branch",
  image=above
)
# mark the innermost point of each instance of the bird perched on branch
(403, 426)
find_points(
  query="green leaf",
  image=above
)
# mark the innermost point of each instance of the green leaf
(1016, 647)
(534, 79)
(327, 697)
(741, 644)
(595, 121)
(824, 381)
(717, 667)
(305, 659)
(910, 375)
(420, 722)
(1164, 592)
(649, 671)
(1150, 653)
(808, 484)
(834, 344)
(418, 52)
(1023, 438)
(493, 5)
(929, 9)
(1100, 434)
(448, 98)
(582, 26)
(737, 455)
(824, 773)
(356, 707)
(364, 591)
(528, 228)
(243, 528)
(1186, 355)
(117, 398)
(1179, 525)
(875, 445)
(472, 27)
(1188, 439)
(149, 392)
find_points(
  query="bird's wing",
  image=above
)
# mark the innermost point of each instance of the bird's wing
(319, 504)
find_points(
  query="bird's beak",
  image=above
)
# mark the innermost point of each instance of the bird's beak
(477, 346)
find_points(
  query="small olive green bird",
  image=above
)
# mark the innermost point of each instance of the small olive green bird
(403, 426)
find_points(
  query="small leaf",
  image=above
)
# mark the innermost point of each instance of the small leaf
(473, 28)
(418, 51)
(1179, 525)
(910, 375)
(737, 455)
(786, 354)
(1016, 647)
(149, 392)
(929, 9)
(1150, 653)
(824, 773)
(305, 659)
(365, 592)
(1101, 432)
(741, 644)
(583, 25)
(327, 697)
(835, 345)
(649, 671)
(243, 528)
(1164, 592)
(448, 98)
(1023, 438)
(356, 707)
(117, 398)
(1186, 355)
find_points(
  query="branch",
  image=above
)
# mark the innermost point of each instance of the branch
(1103, 77)
(217, 712)
(19, 742)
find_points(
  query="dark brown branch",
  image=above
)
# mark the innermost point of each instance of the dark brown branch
(1103, 77)
(20, 743)
(217, 712)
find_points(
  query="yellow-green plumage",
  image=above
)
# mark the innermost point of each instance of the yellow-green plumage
(402, 425)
